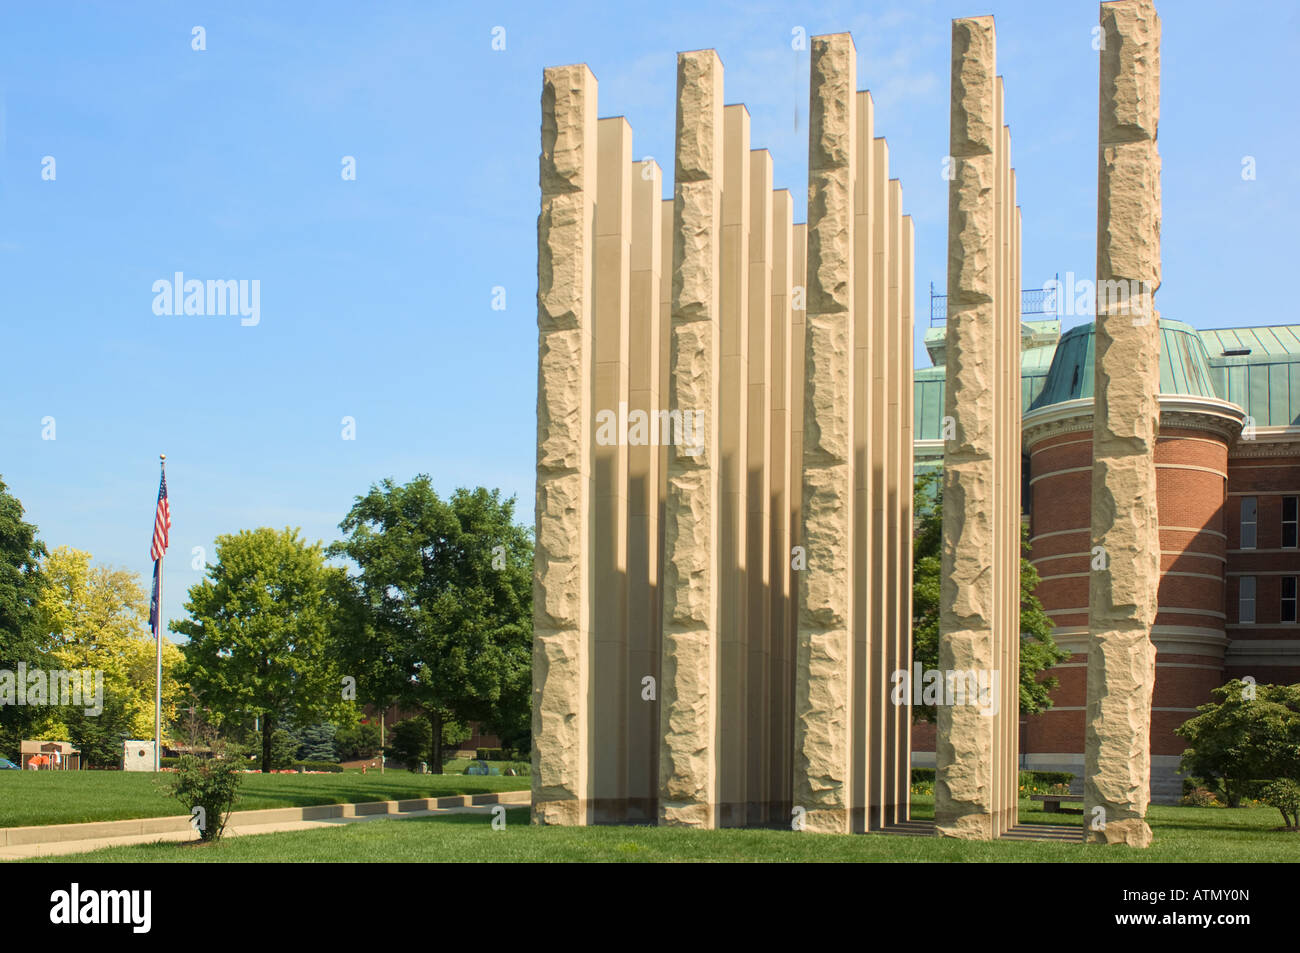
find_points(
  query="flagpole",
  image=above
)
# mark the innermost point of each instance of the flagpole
(157, 692)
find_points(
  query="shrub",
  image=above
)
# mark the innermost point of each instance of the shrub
(210, 785)
(1283, 794)
(920, 775)
(1199, 797)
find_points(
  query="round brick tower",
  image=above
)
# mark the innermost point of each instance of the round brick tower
(1196, 430)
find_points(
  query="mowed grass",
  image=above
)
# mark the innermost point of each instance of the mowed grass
(1182, 834)
(69, 797)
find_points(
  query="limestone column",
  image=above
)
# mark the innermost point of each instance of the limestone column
(645, 463)
(758, 488)
(1122, 599)
(783, 488)
(733, 433)
(824, 666)
(964, 787)
(608, 559)
(561, 579)
(881, 348)
(864, 316)
(895, 486)
(688, 763)
(797, 555)
(903, 756)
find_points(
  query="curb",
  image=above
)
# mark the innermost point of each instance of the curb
(57, 833)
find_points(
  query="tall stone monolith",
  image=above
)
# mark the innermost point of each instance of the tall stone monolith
(966, 744)
(1122, 598)
(824, 650)
(562, 593)
(689, 693)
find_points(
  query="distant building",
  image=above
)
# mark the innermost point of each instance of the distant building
(1228, 497)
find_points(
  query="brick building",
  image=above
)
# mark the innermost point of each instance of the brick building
(1228, 497)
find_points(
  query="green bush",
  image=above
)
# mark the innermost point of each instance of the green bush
(330, 766)
(1199, 797)
(1283, 794)
(920, 775)
(496, 754)
(208, 788)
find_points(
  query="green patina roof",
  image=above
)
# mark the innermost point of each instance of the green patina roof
(1265, 381)
(1184, 365)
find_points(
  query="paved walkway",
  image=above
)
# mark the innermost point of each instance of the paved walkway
(17, 843)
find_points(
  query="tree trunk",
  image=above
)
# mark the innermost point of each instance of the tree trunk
(268, 729)
(435, 748)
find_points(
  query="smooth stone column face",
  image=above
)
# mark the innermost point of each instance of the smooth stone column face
(608, 560)
(864, 317)
(964, 754)
(561, 581)
(896, 537)
(758, 487)
(903, 755)
(797, 556)
(824, 666)
(783, 488)
(688, 698)
(733, 433)
(881, 349)
(1123, 598)
(646, 461)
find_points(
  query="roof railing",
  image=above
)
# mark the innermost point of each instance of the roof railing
(1032, 301)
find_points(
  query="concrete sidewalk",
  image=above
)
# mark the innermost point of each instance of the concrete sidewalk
(59, 839)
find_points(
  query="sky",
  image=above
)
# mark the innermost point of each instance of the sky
(127, 155)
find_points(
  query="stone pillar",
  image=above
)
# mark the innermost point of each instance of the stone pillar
(784, 487)
(824, 667)
(798, 553)
(882, 335)
(733, 432)
(646, 459)
(610, 675)
(903, 756)
(864, 558)
(965, 746)
(1122, 599)
(688, 698)
(897, 629)
(561, 581)
(758, 479)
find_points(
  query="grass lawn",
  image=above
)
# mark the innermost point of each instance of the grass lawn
(67, 797)
(1182, 834)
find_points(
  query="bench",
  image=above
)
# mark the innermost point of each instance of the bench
(1052, 802)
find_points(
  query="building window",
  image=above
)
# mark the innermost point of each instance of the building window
(1288, 598)
(1290, 538)
(1246, 599)
(1249, 518)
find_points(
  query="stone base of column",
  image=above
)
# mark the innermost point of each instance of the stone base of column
(691, 814)
(567, 813)
(1132, 832)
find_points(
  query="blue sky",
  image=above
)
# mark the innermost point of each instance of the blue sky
(376, 293)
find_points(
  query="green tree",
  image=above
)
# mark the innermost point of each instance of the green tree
(21, 583)
(1038, 650)
(259, 632)
(97, 618)
(1249, 736)
(445, 591)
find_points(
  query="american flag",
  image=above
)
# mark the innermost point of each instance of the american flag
(162, 522)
